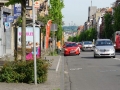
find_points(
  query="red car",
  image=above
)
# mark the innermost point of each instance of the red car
(71, 48)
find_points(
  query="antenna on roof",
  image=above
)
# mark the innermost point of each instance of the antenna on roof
(91, 3)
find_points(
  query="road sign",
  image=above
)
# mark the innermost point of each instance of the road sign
(53, 27)
(7, 25)
(37, 4)
(28, 7)
(10, 18)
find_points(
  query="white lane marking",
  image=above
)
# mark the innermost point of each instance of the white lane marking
(65, 72)
(58, 64)
(75, 68)
(116, 59)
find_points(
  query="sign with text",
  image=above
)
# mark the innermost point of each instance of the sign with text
(29, 35)
(37, 4)
(17, 10)
(10, 18)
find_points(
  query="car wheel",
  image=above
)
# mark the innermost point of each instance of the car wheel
(95, 56)
(78, 54)
(113, 56)
(83, 50)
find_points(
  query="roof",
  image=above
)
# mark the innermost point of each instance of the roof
(103, 39)
(109, 10)
(80, 27)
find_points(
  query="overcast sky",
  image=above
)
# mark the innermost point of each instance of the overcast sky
(76, 11)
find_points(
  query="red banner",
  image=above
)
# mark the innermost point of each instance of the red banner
(48, 26)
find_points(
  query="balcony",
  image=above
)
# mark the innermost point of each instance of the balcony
(3, 1)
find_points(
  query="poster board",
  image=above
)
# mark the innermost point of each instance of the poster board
(29, 37)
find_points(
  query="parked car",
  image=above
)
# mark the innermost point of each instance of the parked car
(104, 47)
(71, 48)
(87, 45)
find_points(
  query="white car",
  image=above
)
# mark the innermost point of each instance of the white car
(104, 47)
(87, 45)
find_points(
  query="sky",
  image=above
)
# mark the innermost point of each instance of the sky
(75, 12)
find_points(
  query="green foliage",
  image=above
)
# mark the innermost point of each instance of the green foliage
(85, 35)
(23, 71)
(56, 15)
(108, 28)
(116, 17)
(12, 2)
(56, 89)
(88, 35)
(70, 38)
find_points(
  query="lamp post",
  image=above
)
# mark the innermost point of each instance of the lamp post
(35, 71)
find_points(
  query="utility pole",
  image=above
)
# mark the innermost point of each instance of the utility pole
(35, 71)
(91, 3)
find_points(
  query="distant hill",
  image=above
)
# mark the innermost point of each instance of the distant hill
(70, 28)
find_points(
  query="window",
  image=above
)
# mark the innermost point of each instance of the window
(104, 43)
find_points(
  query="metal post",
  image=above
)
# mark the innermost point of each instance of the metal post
(35, 71)
(53, 44)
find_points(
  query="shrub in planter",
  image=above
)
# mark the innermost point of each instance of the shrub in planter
(23, 71)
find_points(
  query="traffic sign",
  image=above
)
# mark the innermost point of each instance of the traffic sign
(7, 25)
(37, 4)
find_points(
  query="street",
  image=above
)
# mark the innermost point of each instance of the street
(84, 72)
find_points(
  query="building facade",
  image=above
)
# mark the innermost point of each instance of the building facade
(6, 34)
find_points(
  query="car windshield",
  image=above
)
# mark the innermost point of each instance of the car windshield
(104, 43)
(71, 45)
(87, 42)
(80, 43)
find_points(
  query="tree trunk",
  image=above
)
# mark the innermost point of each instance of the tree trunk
(23, 36)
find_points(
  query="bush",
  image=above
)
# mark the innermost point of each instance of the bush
(23, 71)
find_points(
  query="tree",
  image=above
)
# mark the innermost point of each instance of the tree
(70, 38)
(116, 18)
(56, 15)
(89, 35)
(23, 15)
(108, 29)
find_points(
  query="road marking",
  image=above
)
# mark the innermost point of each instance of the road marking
(65, 72)
(75, 68)
(117, 59)
(58, 64)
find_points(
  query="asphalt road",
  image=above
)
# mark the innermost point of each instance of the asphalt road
(83, 72)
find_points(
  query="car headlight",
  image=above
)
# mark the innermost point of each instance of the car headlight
(114, 45)
(97, 50)
(112, 50)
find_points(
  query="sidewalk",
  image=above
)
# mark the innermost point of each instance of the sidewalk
(53, 82)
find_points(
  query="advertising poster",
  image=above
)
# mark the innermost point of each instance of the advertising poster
(29, 35)
(29, 41)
